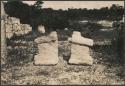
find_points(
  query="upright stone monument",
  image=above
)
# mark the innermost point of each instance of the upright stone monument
(80, 53)
(47, 50)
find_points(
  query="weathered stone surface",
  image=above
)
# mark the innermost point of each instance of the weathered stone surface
(41, 29)
(79, 52)
(13, 26)
(53, 35)
(47, 52)
(8, 28)
(46, 39)
(80, 55)
(78, 39)
(15, 20)
(9, 35)
(27, 28)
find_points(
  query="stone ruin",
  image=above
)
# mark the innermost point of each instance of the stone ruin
(48, 45)
(41, 29)
(48, 50)
(13, 26)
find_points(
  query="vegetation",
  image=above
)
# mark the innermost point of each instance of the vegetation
(21, 49)
(59, 19)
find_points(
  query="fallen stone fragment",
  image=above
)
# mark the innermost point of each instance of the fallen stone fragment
(9, 35)
(48, 54)
(15, 20)
(41, 29)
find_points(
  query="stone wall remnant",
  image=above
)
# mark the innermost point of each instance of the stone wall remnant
(13, 26)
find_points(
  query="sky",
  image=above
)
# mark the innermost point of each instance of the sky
(76, 4)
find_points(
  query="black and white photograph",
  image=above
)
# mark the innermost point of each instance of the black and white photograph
(62, 42)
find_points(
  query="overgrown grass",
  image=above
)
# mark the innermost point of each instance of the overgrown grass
(21, 50)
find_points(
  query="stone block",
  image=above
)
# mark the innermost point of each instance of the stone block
(78, 39)
(80, 55)
(46, 39)
(41, 29)
(47, 55)
(47, 51)
(9, 35)
(15, 20)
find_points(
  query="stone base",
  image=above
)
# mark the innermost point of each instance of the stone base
(48, 54)
(80, 55)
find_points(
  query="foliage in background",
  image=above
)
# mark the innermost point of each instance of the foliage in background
(59, 19)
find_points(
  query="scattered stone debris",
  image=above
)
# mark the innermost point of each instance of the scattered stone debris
(13, 26)
(41, 29)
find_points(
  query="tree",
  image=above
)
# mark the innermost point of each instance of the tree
(38, 4)
(35, 15)
(27, 14)
(18, 9)
(3, 37)
(116, 11)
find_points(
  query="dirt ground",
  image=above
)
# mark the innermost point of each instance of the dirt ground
(106, 68)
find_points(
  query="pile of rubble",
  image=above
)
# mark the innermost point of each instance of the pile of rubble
(13, 26)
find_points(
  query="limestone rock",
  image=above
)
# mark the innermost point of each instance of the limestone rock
(53, 35)
(27, 28)
(15, 20)
(78, 39)
(105, 23)
(79, 52)
(9, 35)
(13, 26)
(47, 52)
(16, 27)
(41, 29)
(44, 39)
(8, 28)
(80, 55)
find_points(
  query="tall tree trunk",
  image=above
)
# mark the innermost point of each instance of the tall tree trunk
(3, 36)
